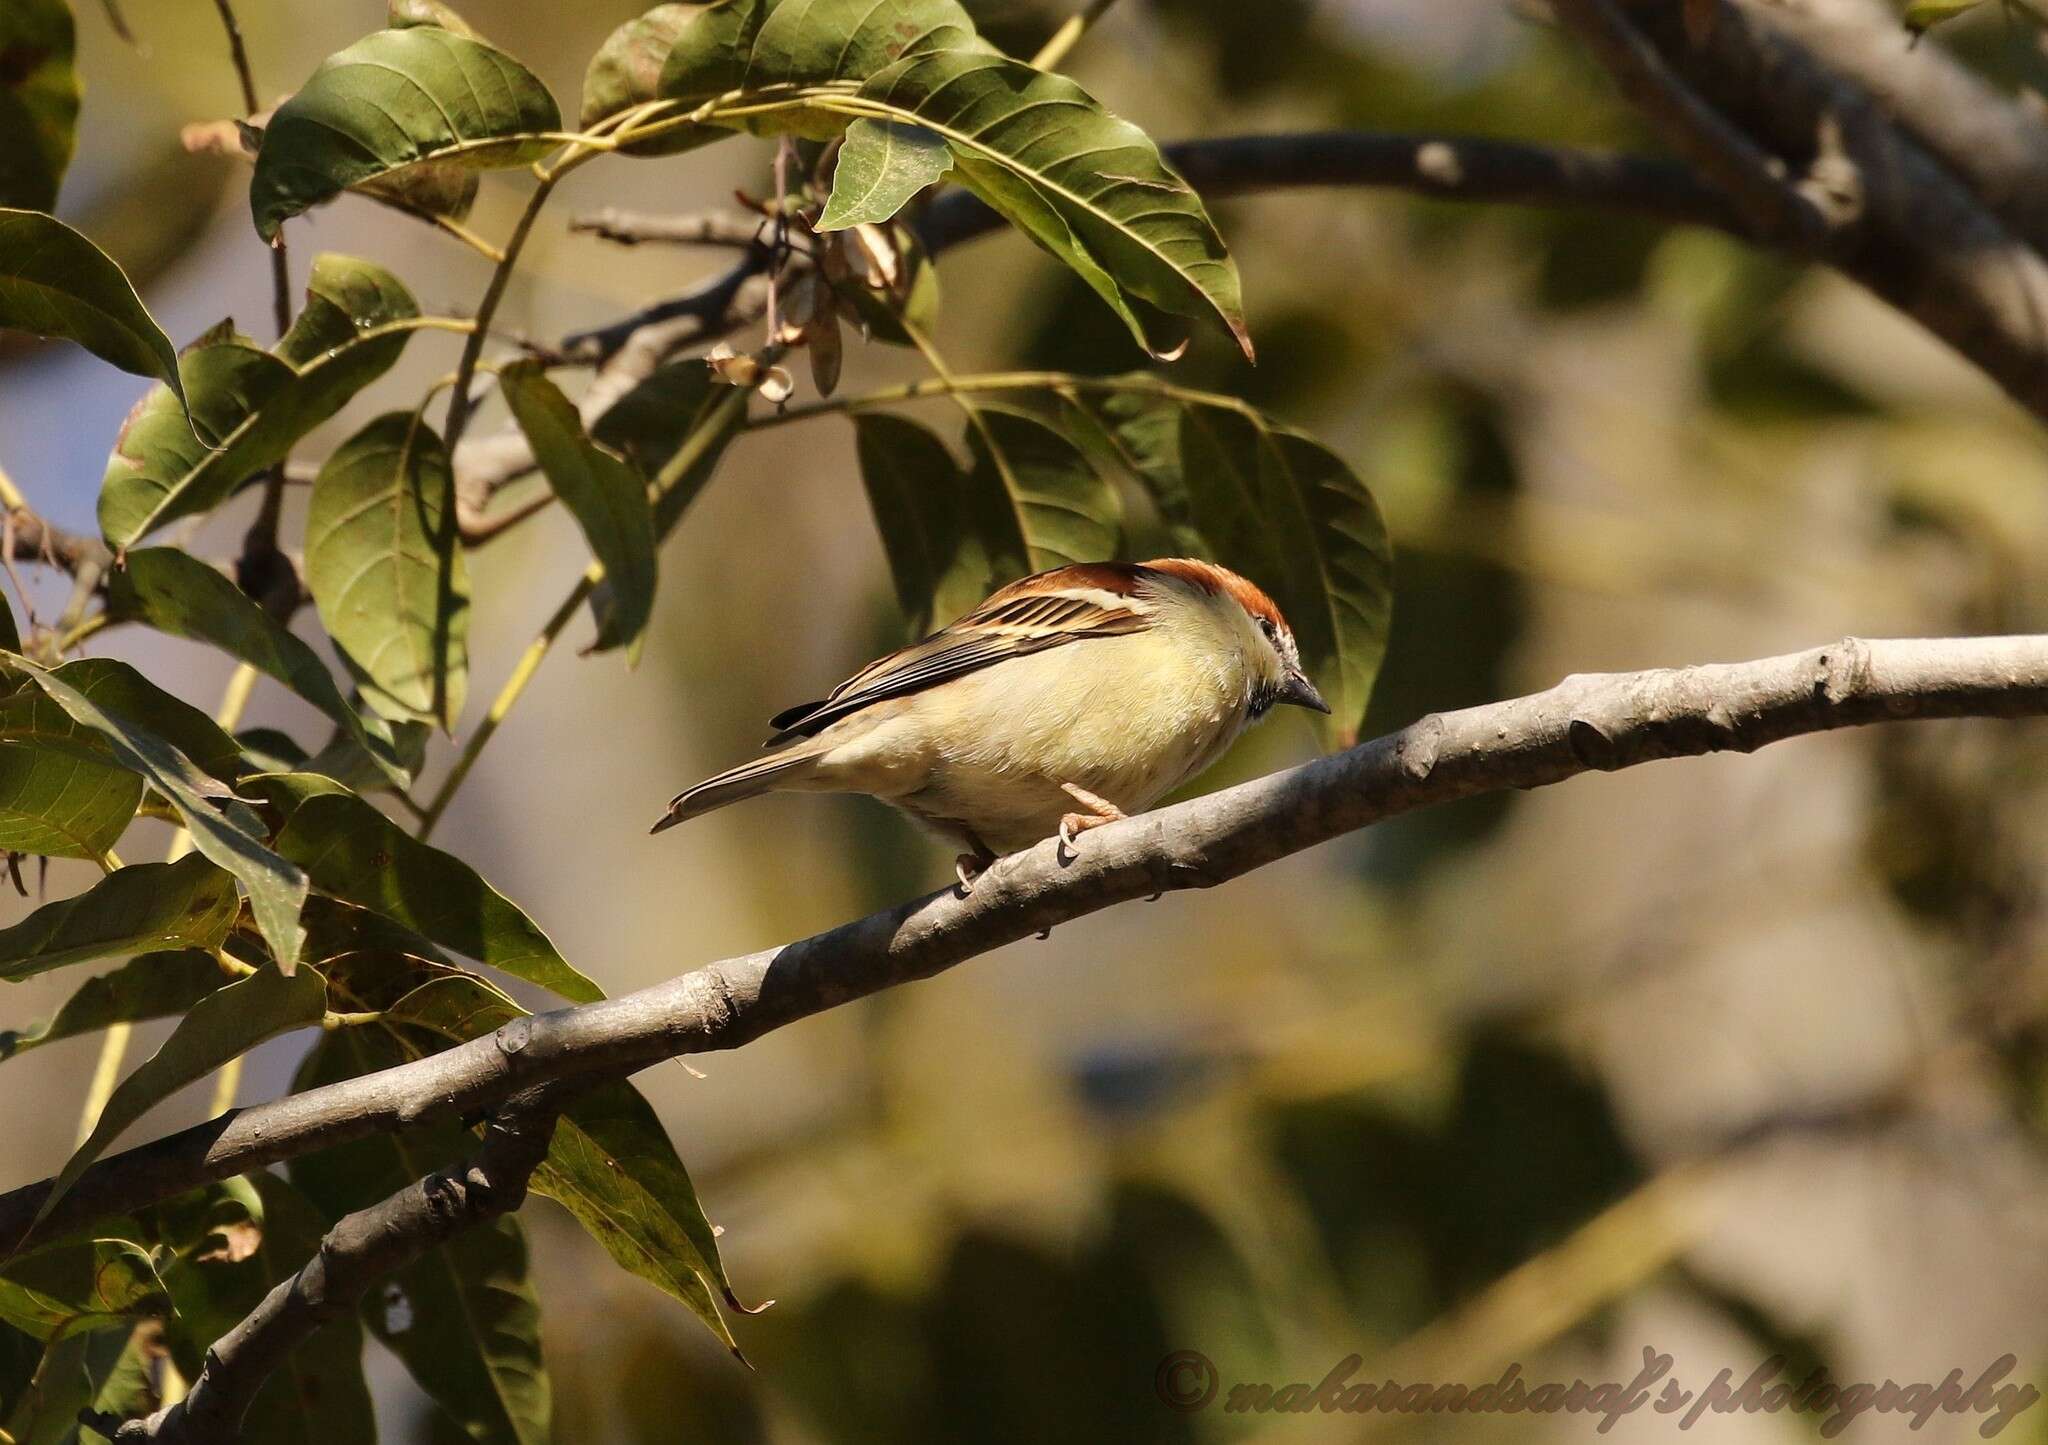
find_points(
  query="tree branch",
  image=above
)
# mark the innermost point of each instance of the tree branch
(361, 1249)
(1584, 724)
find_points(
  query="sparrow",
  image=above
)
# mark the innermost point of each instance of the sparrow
(1103, 685)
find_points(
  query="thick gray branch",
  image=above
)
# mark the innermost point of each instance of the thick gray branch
(1587, 723)
(360, 1250)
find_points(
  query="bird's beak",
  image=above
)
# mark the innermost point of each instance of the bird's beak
(1302, 693)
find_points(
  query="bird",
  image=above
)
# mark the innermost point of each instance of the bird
(1068, 699)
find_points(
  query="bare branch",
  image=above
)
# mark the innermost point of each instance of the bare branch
(631, 228)
(1587, 723)
(361, 1249)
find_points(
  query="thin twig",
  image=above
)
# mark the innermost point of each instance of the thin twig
(631, 228)
(1590, 723)
(1068, 35)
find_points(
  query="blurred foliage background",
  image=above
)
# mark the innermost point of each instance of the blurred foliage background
(1730, 1058)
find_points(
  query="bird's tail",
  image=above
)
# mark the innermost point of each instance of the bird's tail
(763, 775)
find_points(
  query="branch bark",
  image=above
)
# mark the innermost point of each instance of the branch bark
(1585, 724)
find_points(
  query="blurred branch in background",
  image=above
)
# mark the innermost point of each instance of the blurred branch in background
(1586, 723)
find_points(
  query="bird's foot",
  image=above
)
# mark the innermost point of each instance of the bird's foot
(969, 866)
(1100, 811)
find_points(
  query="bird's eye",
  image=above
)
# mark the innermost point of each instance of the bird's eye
(1272, 633)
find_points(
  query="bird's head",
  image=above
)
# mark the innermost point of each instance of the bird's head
(1277, 673)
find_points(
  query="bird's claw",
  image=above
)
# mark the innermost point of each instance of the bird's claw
(967, 867)
(1072, 825)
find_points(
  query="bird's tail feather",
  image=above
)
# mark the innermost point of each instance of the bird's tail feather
(734, 785)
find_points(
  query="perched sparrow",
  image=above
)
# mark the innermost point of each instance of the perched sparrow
(1104, 685)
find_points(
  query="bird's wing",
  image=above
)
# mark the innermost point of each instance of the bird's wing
(1048, 609)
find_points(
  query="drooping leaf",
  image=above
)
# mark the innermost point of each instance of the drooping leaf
(355, 853)
(252, 407)
(1291, 515)
(607, 496)
(54, 282)
(463, 1318)
(77, 1285)
(121, 690)
(1090, 188)
(62, 793)
(38, 101)
(386, 569)
(221, 1027)
(177, 593)
(142, 908)
(651, 423)
(164, 467)
(626, 71)
(939, 563)
(396, 99)
(610, 1162)
(276, 889)
(404, 14)
(1923, 15)
(317, 1395)
(881, 166)
(153, 986)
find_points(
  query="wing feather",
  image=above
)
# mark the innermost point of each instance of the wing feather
(1049, 609)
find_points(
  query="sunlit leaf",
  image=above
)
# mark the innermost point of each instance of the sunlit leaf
(54, 282)
(394, 99)
(463, 1318)
(62, 793)
(881, 166)
(143, 908)
(1923, 15)
(355, 853)
(38, 101)
(73, 1286)
(177, 593)
(386, 569)
(626, 71)
(276, 889)
(607, 496)
(317, 1396)
(153, 986)
(404, 14)
(221, 1027)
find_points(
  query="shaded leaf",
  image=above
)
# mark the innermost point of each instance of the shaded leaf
(404, 14)
(222, 1026)
(386, 571)
(251, 407)
(1291, 515)
(78, 1285)
(650, 424)
(610, 1162)
(62, 793)
(143, 908)
(888, 279)
(38, 101)
(317, 1395)
(54, 282)
(939, 563)
(355, 853)
(881, 166)
(276, 889)
(121, 690)
(393, 100)
(177, 593)
(1923, 15)
(463, 1318)
(626, 71)
(607, 496)
(154, 986)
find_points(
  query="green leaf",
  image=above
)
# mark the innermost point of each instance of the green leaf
(940, 564)
(1923, 15)
(386, 569)
(221, 1027)
(62, 794)
(317, 1396)
(154, 986)
(177, 593)
(1090, 188)
(610, 1163)
(54, 282)
(650, 423)
(881, 166)
(121, 690)
(164, 466)
(396, 99)
(404, 14)
(38, 101)
(143, 908)
(276, 889)
(607, 496)
(464, 1318)
(251, 407)
(626, 71)
(78, 1285)
(355, 853)
(743, 45)
(1291, 515)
